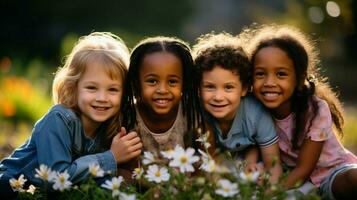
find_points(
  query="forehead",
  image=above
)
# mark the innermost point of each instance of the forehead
(161, 63)
(102, 65)
(220, 74)
(272, 56)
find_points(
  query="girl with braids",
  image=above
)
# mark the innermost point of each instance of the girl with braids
(83, 127)
(307, 112)
(162, 93)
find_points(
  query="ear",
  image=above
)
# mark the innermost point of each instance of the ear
(245, 89)
(303, 81)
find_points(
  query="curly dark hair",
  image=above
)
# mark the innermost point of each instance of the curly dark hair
(223, 50)
(189, 98)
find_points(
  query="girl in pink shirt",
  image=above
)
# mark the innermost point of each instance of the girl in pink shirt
(307, 112)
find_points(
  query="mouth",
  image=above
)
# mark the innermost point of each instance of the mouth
(101, 108)
(216, 107)
(161, 102)
(270, 96)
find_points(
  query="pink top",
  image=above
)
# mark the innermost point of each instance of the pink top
(333, 153)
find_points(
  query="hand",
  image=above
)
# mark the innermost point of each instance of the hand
(252, 167)
(125, 146)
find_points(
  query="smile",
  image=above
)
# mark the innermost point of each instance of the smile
(270, 96)
(161, 102)
(100, 108)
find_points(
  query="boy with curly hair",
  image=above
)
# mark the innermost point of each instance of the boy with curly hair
(239, 121)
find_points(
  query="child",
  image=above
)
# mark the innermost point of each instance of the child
(84, 123)
(238, 121)
(305, 110)
(160, 80)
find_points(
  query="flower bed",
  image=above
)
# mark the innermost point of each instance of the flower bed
(182, 175)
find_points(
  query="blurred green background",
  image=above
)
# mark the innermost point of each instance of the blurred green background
(36, 35)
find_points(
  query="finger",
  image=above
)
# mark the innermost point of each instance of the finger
(136, 147)
(130, 135)
(133, 141)
(122, 132)
(136, 153)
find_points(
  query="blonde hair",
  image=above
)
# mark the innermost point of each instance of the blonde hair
(103, 47)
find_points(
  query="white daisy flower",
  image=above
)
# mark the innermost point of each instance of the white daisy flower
(113, 185)
(203, 139)
(226, 188)
(184, 160)
(168, 154)
(171, 153)
(95, 170)
(208, 164)
(61, 181)
(124, 196)
(31, 189)
(18, 184)
(148, 158)
(157, 174)
(249, 177)
(138, 172)
(44, 173)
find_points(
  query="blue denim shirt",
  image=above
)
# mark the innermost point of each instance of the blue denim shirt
(252, 124)
(58, 141)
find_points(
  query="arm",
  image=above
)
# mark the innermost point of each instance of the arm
(55, 137)
(306, 163)
(54, 140)
(251, 157)
(271, 159)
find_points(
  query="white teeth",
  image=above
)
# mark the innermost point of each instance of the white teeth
(268, 94)
(100, 108)
(162, 101)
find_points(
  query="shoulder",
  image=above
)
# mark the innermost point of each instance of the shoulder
(321, 124)
(60, 115)
(322, 105)
(250, 103)
(253, 109)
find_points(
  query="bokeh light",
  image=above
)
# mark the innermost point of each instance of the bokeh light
(316, 15)
(333, 9)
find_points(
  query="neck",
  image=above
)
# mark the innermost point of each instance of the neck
(282, 111)
(225, 126)
(158, 123)
(90, 129)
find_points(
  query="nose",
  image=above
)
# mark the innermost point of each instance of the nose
(270, 81)
(218, 95)
(101, 96)
(162, 88)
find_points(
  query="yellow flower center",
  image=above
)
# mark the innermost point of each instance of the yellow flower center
(183, 159)
(158, 174)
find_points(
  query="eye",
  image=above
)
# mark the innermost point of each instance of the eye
(114, 89)
(208, 86)
(90, 87)
(281, 73)
(229, 87)
(173, 82)
(259, 74)
(151, 81)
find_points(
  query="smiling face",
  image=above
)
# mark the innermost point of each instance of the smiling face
(160, 77)
(221, 91)
(99, 96)
(274, 80)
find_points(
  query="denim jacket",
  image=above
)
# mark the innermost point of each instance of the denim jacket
(58, 141)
